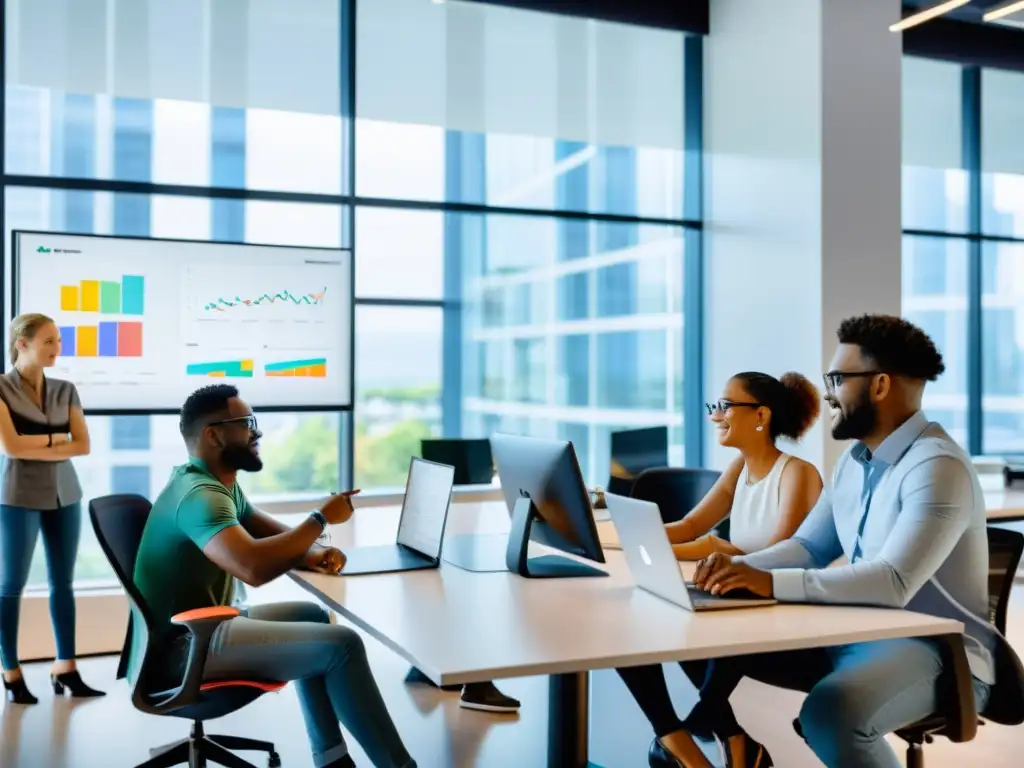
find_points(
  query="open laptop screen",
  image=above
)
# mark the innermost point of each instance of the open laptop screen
(428, 493)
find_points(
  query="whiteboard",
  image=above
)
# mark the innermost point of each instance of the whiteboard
(144, 322)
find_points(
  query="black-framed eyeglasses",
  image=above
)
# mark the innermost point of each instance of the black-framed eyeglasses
(247, 421)
(834, 379)
(723, 405)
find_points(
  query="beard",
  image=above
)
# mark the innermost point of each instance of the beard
(857, 422)
(242, 458)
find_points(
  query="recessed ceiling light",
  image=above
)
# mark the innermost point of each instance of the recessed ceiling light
(927, 15)
(1005, 10)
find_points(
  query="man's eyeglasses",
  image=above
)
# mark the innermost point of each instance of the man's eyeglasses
(721, 406)
(834, 379)
(247, 421)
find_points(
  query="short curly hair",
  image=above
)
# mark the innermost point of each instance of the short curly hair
(895, 345)
(202, 404)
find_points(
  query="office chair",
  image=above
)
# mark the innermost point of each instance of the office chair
(1006, 700)
(118, 521)
(676, 490)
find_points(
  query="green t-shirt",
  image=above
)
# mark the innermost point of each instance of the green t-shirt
(171, 571)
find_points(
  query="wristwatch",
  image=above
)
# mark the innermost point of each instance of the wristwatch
(317, 515)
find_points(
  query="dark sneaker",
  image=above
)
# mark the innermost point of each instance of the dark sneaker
(487, 698)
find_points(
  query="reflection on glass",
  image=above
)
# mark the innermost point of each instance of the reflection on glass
(1003, 348)
(935, 298)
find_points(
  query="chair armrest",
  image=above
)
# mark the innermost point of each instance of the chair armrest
(201, 624)
(962, 711)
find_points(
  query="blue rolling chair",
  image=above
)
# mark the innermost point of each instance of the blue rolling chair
(119, 521)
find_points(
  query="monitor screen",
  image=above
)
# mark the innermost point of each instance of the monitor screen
(144, 322)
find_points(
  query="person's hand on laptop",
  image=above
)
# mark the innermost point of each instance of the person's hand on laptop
(719, 574)
(322, 559)
(338, 508)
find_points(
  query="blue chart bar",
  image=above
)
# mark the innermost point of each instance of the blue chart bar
(132, 294)
(108, 339)
(67, 340)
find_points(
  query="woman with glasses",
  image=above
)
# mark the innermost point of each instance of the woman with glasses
(766, 494)
(41, 429)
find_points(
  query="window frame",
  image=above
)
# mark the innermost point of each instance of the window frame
(976, 239)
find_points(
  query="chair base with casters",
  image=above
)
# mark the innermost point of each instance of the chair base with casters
(217, 699)
(199, 749)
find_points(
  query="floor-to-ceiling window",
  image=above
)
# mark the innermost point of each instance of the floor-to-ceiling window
(963, 254)
(520, 191)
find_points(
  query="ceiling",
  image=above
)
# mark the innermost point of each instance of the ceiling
(972, 12)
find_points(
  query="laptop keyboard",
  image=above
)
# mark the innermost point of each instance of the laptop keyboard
(698, 595)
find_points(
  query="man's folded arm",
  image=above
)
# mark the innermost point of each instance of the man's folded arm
(815, 543)
(937, 503)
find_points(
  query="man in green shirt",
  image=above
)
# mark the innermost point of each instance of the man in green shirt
(202, 534)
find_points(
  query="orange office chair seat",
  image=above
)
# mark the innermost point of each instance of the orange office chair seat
(119, 521)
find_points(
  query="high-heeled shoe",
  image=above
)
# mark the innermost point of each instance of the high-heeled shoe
(18, 692)
(756, 755)
(73, 684)
(659, 757)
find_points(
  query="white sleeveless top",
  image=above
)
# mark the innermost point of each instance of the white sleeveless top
(755, 508)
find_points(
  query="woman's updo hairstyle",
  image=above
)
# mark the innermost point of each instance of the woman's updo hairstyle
(794, 401)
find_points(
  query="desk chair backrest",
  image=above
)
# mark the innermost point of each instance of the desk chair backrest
(1006, 702)
(118, 522)
(676, 490)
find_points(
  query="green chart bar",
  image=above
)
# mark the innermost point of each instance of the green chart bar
(110, 298)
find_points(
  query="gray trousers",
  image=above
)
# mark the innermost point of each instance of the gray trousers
(296, 642)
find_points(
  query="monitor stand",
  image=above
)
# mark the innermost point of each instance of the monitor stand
(517, 557)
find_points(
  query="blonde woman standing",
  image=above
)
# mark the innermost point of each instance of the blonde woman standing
(41, 428)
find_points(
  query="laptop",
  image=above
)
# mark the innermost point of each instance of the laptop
(428, 495)
(653, 563)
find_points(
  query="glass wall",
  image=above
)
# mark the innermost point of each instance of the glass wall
(520, 224)
(963, 256)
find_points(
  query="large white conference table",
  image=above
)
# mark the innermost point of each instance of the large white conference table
(459, 626)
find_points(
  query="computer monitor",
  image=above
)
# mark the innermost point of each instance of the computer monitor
(549, 503)
(633, 451)
(472, 459)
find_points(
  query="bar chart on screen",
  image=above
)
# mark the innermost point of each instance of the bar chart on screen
(144, 322)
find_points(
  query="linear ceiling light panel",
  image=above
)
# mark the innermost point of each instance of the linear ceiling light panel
(927, 15)
(1004, 11)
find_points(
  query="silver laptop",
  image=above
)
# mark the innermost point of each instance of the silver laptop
(428, 495)
(653, 563)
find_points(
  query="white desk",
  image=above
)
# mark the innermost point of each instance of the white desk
(458, 627)
(1005, 505)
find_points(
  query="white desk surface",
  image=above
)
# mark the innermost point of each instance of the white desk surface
(457, 626)
(1005, 504)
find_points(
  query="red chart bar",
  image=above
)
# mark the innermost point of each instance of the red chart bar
(129, 339)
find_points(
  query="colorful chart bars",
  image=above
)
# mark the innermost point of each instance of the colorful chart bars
(314, 367)
(122, 339)
(228, 368)
(222, 304)
(105, 296)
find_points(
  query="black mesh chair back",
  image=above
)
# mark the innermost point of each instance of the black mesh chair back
(676, 490)
(1006, 701)
(118, 521)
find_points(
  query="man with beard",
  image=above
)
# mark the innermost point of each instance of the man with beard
(201, 535)
(906, 509)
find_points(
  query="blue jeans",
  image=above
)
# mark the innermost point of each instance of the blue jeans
(296, 642)
(856, 695)
(19, 531)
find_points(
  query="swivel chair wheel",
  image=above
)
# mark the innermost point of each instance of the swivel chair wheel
(274, 761)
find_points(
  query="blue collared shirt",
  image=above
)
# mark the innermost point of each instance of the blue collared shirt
(910, 518)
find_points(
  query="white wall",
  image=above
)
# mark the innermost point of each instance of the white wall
(802, 223)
